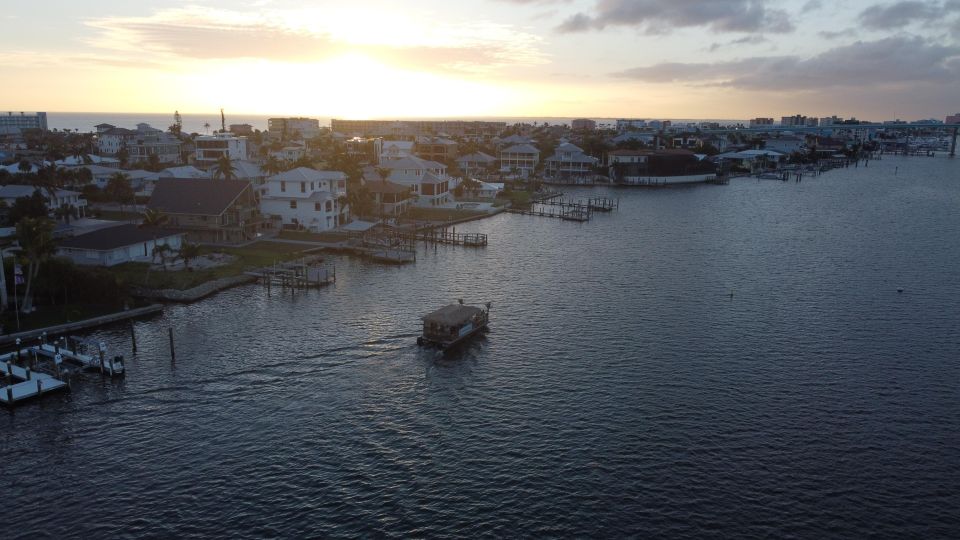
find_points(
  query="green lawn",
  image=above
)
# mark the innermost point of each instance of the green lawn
(253, 256)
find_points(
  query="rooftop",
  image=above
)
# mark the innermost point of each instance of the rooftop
(110, 238)
(195, 196)
(452, 315)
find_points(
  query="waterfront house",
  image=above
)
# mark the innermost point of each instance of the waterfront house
(390, 199)
(305, 198)
(569, 161)
(216, 211)
(119, 244)
(632, 165)
(753, 160)
(427, 179)
(476, 164)
(519, 159)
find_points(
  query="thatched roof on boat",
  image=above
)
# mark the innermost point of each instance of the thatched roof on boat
(452, 315)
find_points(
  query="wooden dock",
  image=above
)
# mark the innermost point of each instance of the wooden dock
(302, 274)
(452, 238)
(553, 212)
(31, 383)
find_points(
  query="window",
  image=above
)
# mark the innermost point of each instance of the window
(316, 206)
(293, 205)
(329, 206)
(311, 186)
(303, 187)
(283, 186)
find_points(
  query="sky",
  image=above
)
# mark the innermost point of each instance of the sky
(719, 59)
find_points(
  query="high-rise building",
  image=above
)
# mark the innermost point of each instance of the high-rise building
(761, 122)
(953, 119)
(583, 124)
(308, 128)
(12, 122)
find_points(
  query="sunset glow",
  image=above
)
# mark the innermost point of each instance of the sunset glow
(729, 59)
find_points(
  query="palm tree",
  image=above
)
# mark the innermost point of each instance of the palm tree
(153, 219)
(224, 168)
(272, 166)
(65, 212)
(35, 236)
(188, 252)
(161, 251)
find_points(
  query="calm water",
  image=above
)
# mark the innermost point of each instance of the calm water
(620, 392)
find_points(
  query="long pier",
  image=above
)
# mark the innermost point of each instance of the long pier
(553, 212)
(453, 238)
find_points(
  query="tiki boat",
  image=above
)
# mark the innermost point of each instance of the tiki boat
(453, 324)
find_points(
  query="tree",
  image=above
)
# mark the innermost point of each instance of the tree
(187, 253)
(161, 251)
(65, 212)
(224, 168)
(153, 219)
(123, 155)
(35, 236)
(119, 189)
(272, 166)
(360, 200)
(24, 166)
(34, 206)
(153, 163)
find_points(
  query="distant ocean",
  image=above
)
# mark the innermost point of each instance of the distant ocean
(195, 123)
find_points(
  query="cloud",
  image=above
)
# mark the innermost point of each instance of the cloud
(200, 33)
(901, 14)
(890, 61)
(746, 40)
(661, 16)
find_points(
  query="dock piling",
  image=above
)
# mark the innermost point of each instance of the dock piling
(173, 354)
(133, 338)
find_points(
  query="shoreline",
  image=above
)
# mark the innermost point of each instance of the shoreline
(84, 324)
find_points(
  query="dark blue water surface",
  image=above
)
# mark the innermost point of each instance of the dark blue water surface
(620, 392)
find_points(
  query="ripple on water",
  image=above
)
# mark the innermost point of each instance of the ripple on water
(621, 391)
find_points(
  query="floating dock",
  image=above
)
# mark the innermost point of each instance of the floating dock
(32, 383)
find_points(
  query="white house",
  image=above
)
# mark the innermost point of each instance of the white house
(519, 158)
(289, 153)
(427, 179)
(120, 244)
(11, 192)
(141, 143)
(306, 198)
(569, 161)
(211, 147)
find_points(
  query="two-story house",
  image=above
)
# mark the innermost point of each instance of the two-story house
(305, 198)
(519, 159)
(569, 161)
(428, 180)
(215, 211)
